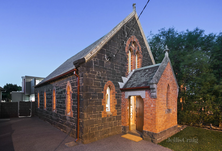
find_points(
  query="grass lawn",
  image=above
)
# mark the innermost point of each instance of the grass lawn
(192, 139)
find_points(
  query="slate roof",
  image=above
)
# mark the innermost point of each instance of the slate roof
(146, 76)
(68, 64)
(141, 77)
(91, 50)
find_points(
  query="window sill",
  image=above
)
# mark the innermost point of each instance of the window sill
(108, 113)
(69, 114)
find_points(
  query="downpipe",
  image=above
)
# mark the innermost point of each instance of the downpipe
(76, 74)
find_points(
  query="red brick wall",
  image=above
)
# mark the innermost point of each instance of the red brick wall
(149, 113)
(165, 121)
(155, 117)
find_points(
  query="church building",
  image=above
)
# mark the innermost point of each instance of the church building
(112, 86)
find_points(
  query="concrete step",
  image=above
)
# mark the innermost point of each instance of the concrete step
(136, 133)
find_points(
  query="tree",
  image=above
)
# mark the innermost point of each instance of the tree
(216, 57)
(9, 88)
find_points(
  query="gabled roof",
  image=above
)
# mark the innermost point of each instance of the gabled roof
(68, 64)
(141, 77)
(91, 50)
(161, 69)
(146, 76)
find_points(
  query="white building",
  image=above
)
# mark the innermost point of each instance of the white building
(28, 89)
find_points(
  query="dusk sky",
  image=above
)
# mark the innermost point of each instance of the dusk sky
(36, 36)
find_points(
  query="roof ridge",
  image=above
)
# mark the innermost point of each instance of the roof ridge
(92, 49)
(147, 67)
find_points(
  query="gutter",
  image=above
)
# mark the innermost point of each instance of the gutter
(50, 80)
(135, 88)
(76, 63)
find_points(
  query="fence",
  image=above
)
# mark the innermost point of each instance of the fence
(16, 109)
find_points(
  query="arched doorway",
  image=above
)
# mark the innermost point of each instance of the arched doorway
(136, 113)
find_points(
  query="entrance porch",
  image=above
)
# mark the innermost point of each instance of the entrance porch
(149, 102)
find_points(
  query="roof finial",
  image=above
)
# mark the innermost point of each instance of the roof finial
(134, 6)
(166, 51)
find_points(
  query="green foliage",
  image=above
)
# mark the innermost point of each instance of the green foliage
(216, 61)
(9, 88)
(196, 60)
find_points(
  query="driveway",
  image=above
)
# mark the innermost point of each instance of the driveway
(34, 134)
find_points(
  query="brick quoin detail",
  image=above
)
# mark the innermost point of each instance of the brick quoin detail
(133, 45)
(113, 100)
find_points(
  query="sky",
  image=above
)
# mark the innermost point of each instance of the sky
(36, 36)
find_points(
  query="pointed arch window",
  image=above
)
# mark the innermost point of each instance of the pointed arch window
(54, 100)
(108, 99)
(38, 101)
(129, 61)
(134, 44)
(168, 110)
(136, 60)
(134, 54)
(44, 100)
(167, 96)
(69, 111)
(68, 104)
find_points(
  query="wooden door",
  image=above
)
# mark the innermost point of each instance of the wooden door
(139, 114)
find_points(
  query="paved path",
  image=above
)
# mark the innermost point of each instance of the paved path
(33, 134)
